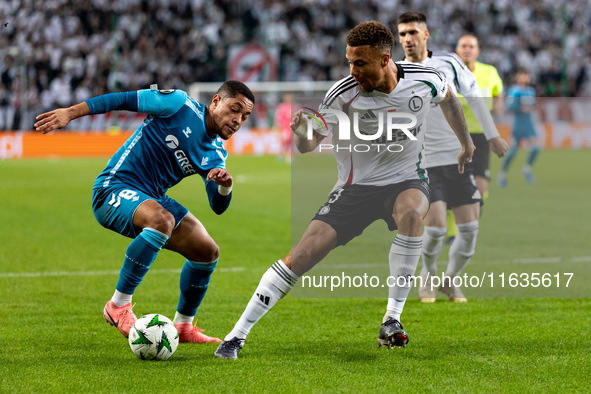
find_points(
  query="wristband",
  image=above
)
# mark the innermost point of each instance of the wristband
(224, 191)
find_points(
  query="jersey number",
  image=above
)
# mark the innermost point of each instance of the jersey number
(126, 194)
(335, 196)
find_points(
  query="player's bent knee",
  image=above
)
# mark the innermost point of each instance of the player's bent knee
(208, 252)
(214, 252)
(409, 219)
(162, 221)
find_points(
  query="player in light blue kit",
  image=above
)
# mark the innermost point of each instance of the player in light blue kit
(179, 137)
(522, 100)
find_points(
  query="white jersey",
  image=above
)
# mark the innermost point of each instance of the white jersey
(381, 161)
(442, 145)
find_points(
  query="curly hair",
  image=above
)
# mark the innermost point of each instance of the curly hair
(372, 33)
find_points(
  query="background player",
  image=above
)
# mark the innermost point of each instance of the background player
(178, 138)
(371, 185)
(281, 121)
(448, 187)
(521, 101)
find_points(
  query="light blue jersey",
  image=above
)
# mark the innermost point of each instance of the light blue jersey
(519, 97)
(171, 143)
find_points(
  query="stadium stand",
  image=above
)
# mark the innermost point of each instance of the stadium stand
(58, 52)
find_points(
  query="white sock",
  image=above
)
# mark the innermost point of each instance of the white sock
(121, 299)
(432, 244)
(462, 249)
(403, 259)
(180, 318)
(274, 285)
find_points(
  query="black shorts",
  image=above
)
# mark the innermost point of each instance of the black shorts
(351, 209)
(481, 156)
(456, 189)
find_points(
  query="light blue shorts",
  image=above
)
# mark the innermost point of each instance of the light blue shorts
(114, 207)
(523, 130)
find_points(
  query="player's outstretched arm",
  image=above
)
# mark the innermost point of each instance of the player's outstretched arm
(452, 110)
(102, 104)
(60, 117)
(299, 127)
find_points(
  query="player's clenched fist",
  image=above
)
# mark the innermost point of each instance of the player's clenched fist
(298, 127)
(221, 176)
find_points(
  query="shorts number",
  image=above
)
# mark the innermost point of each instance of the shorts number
(335, 196)
(126, 194)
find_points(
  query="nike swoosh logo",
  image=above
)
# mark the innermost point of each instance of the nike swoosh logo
(116, 323)
(250, 321)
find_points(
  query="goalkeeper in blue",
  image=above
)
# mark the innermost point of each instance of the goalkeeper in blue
(179, 137)
(521, 101)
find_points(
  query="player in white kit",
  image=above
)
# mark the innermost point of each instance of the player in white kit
(448, 187)
(384, 183)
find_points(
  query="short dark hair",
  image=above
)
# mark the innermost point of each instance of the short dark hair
(233, 89)
(371, 33)
(409, 17)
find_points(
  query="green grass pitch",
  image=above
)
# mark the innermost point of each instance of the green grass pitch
(53, 337)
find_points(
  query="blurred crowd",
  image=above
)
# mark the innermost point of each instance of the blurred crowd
(54, 53)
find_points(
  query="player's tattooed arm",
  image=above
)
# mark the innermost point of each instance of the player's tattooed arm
(452, 110)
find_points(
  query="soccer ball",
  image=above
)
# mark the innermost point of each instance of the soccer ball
(153, 337)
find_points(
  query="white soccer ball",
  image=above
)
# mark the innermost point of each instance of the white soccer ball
(153, 337)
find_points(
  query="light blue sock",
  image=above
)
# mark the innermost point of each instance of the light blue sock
(139, 256)
(194, 283)
(533, 154)
(510, 155)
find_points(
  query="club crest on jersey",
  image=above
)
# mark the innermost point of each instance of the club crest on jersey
(415, 104)
(324, 210)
